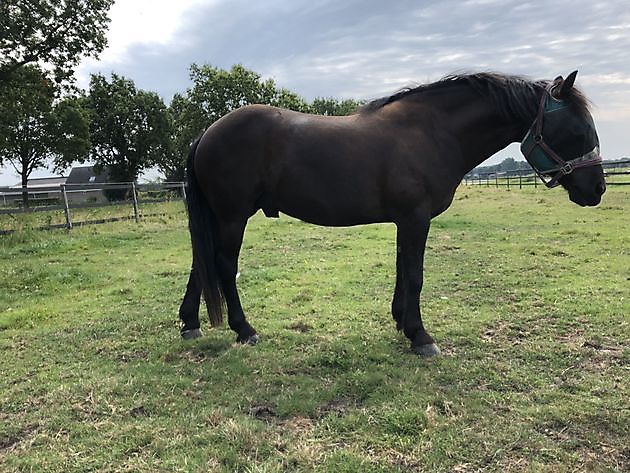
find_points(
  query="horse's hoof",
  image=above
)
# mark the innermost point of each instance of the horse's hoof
(428, 350)
(251, 340)
(191, 334)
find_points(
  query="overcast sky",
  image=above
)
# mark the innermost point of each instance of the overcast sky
(367, 49)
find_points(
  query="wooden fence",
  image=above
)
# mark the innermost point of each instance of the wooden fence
(67, 197)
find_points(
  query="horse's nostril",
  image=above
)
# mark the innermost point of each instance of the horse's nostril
(601, 188)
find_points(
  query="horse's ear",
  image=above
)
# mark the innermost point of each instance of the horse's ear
(564, 85)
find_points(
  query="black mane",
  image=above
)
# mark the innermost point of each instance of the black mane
(513, 95)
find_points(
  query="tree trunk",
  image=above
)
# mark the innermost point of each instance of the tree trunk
(25, 202)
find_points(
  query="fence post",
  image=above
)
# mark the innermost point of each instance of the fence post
(496, 180)
(66, 207)
(184, 191)
(535, 181)
(508, 180)
(135, 202)
(520, 180)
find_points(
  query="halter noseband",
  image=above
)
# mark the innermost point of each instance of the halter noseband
(549, 166)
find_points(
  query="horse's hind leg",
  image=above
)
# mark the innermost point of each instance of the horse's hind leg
(189, 310)
(230, 239)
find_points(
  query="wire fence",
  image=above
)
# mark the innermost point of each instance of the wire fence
(615, 173)
(70, 197)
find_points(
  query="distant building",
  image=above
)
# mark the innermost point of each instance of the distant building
(82, 176)
(39, 189)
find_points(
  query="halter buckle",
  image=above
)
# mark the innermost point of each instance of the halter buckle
(567, 168)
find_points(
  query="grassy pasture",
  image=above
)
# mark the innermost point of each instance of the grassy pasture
(527, 295)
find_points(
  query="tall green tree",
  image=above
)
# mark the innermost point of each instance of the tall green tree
(129, 128)
(54, 32)
(187, 122)
(217, 91)
(334, 107)
(35, 129)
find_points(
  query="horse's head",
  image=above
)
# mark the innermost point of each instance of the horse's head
(562, 144)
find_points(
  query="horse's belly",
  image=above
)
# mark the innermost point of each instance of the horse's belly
(323, 204)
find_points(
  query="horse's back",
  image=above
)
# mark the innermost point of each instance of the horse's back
(301, 164)
(325, 170)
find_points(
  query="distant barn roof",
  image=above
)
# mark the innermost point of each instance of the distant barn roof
(87, 175)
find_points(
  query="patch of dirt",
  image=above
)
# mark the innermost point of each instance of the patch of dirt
(298, 424)
(11, 440)
(401, 461)
(138, 411)
(142, 355)
(192, 355)
(263, 412)
(497, 330)
(336, 407)
(301, 327)
(572, 338)
(597, 456)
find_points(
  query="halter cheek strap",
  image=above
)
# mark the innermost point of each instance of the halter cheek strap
(548, 164)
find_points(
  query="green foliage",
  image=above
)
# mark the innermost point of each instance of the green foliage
(217, 92)
(334, 107)
(71, 129)
(54, 32)
(526, 293)
(35, 129)
(187, 123)
(129, 128)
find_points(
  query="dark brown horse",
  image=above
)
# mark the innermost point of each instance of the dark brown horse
(398, 159)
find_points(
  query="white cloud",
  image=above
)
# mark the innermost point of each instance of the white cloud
(141, 22)
(145, 21)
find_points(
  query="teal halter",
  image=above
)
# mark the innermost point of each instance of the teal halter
(549, 166)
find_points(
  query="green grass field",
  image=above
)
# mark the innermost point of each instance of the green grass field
(526, 293)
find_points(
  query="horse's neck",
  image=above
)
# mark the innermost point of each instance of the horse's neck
(479, 127)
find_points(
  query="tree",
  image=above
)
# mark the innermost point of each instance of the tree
(129, 128)
(54, 32)
(332, 107)
(216, 91)
(187, 122)
(508, 164)
(34, 129)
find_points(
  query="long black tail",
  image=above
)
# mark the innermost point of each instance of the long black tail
(201, 223)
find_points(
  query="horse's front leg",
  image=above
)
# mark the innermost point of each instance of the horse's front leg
(412, 237)
(398, 301)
